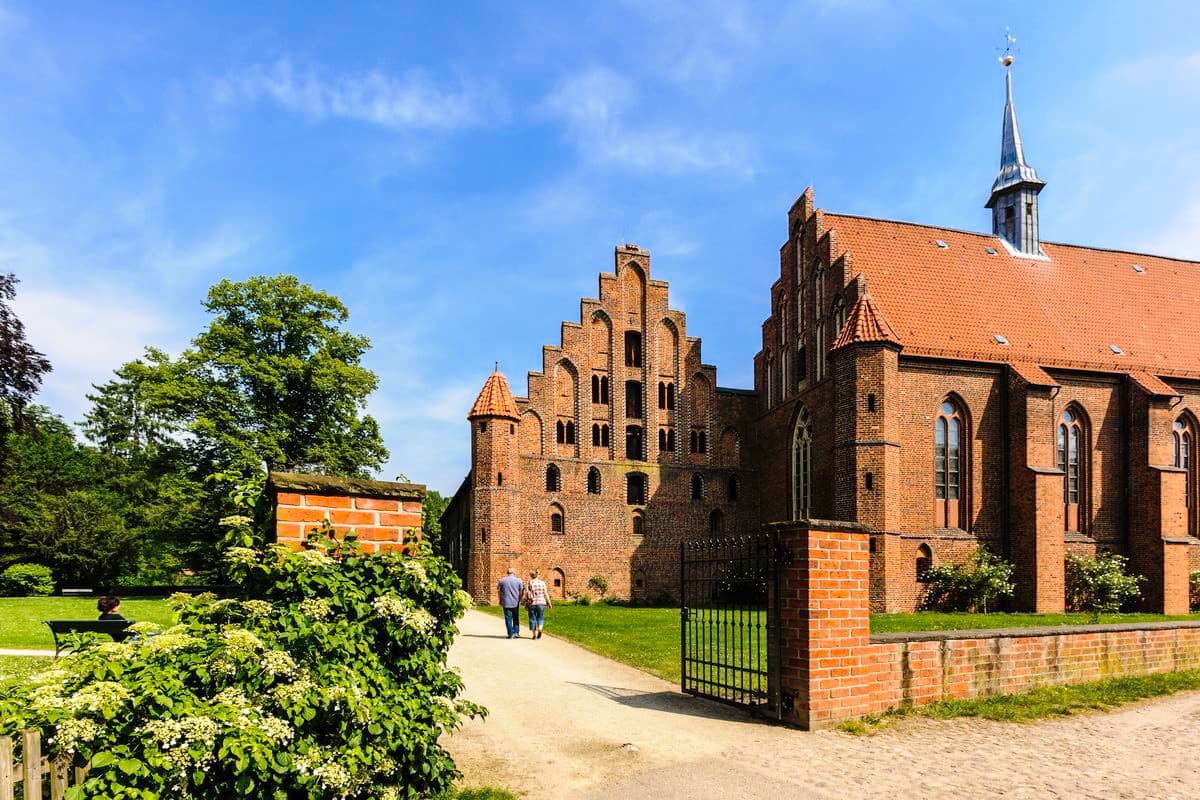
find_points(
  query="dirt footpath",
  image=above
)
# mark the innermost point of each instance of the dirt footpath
(566, 723)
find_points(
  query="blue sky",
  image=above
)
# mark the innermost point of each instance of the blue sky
(460, 177)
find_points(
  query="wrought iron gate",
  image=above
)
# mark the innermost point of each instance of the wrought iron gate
(729, 598)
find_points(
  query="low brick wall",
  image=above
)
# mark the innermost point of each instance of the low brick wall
(834, 669)
(385, 515)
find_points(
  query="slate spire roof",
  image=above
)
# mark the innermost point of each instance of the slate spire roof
(866, 323)
(495, 399)
(1014, 170)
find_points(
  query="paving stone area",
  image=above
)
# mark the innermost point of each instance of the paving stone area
(566, 723)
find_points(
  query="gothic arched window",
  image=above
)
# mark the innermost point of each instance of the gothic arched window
(802, 466)
(595, 388)
(593, 481)
(1072, 460)
(670, 397)
(949, 465)
(635, 488)
(1185, 458)
(924, 562)
(697, 486)
(552, 478)
(716, 522)
(557, 524)
(570, 433)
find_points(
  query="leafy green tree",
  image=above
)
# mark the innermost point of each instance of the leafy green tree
(432, 508)
(21, 367)
(274, 380)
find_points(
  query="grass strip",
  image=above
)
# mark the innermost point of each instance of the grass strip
(1041, 703)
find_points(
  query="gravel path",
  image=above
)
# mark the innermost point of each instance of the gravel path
(566, 723)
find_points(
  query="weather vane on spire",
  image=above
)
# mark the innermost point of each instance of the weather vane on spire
(1009, 55)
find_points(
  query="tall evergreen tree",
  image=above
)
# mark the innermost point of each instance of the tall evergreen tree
(21, 366)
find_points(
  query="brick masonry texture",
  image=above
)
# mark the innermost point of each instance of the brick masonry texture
(835, 670)
(384, 515)
(871, 403)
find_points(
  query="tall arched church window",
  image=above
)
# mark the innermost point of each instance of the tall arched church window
(802, 466)
(595, 388)
(1072, 460)
(769, 374)
(949, 468)
(1185, 458)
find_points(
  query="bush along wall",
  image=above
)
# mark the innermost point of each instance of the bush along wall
(327, 678)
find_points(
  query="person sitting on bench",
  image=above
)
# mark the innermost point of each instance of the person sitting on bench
(107, 605)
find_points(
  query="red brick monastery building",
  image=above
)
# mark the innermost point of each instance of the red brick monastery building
(945, 389)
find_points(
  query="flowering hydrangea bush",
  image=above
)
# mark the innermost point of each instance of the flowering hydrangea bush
(328, 680)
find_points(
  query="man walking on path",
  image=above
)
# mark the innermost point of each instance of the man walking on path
(511, 588)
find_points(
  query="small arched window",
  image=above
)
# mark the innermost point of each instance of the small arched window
(639, 524)
(1072, 460)
(556, 520)
(670, 397)
(499, 478)
(593, 481)
(697, 486)
(732, 488)
(570, 433)
(604, 390)
(560, 432)
(633, 349)
(604, 436)
(670, 440)
(949, 467)
(1184, 435)
(924, 562)
(552, 478)
(595, 435)
(662, 439)
(595, 388)
(662, 395)
(716, 522)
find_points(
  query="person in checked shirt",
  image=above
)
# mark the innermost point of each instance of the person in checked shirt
(537, 601)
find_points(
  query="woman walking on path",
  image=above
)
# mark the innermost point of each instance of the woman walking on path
(538, 601)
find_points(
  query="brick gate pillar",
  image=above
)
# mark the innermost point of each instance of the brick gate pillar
(385, 515)
(828, 669)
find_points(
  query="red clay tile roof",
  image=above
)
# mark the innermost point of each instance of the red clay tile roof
(865, 324)
(1152, 384)
(495, 400)
(1066, 311)
(1032, 374)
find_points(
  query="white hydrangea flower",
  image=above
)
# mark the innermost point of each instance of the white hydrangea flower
(258, 608)
(278, 662)
(175, 736)
(47, 698)
(232, 696)
(243, 556)
(98, 696)
(241, 640)
(417, 570)
(169, 642)
(317, 608)
(464, 598)
(144, 628)
(295, 691)
(312, 558)
(71, 733)
(236, 521)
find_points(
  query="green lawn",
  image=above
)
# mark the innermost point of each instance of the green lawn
(16, 667)
(1046, 701)
(938, 621)
(648, 638)
(22, 618)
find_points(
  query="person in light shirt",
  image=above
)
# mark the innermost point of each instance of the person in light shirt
(538, 600)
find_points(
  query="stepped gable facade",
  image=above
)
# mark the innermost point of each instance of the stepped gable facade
(623, 445)
(948, 390)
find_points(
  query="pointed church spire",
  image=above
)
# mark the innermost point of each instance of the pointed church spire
(1014, 193)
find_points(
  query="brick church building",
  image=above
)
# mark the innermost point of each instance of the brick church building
(945, 389)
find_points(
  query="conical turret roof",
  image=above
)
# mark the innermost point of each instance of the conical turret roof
(866, 323)
(495, 399)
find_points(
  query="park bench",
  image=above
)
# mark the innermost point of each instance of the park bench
(116, 628)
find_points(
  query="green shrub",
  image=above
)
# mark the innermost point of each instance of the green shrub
(598, 584)
(612, 600)
(1100, 585)
(582, 599)
(328, 679)
(26, 580)
(971, 586)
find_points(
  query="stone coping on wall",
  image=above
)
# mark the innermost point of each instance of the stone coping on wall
(1020, 633)
(338, 485)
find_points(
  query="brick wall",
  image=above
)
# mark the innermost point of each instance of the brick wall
(834, 669)
(383, 514)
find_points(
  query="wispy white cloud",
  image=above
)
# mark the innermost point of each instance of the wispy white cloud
(596, 106)
(409, 100)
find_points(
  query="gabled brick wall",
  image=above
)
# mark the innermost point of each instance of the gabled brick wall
(385, 515)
